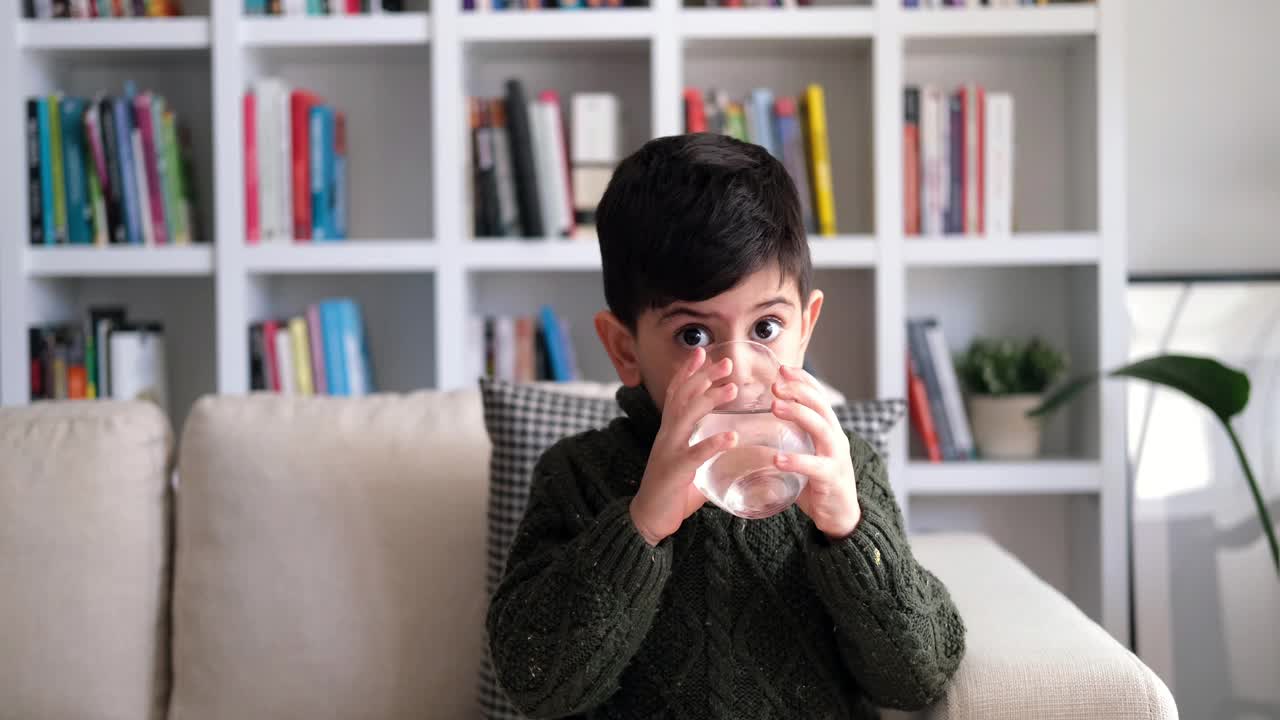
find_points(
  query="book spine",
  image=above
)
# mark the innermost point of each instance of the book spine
(252, 196)
(998, 165)
(128, 174)
(98, 208)
(35, 191)
(953, 402)
(190, 188)
(526, 362)
(338, 175)
(762, 114)
(921, 418)
(924, 361)
(145, 216)
(35, 366)
(257, 359)
(300, 117)
(791, 139)
(265, 144)
(112, 190)
(555, 345)
(820, 160)
(315, 334)
(177, 181)
(301, 355)
(286, 364)
(283, 207)
(79, 210)
(911, 161)
(504, 343)
(695, 117)
(518, 124)
(508, 211)
(566, 349)
(544, 171)
(559, 163)
(930, 150)
(269, 330)
(59, 170)
(955, 167)
(352, 352)
(150, 158)
(488, 213)
(165, 169)
(319, 174)
(978, 157)
(334, 362)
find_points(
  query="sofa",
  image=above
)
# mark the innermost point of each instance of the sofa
(324, 558)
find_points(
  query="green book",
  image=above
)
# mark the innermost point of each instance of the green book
(98, 204)
(59, 176)
(175, 192)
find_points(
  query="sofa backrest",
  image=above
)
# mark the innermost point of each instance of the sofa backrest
(330, 557)
(84, 560)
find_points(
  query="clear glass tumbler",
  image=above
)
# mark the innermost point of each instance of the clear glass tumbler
(744, 480)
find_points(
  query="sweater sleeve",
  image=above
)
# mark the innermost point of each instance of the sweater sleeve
(898, 630)
(578, 597)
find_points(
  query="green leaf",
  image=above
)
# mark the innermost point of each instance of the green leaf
(1223, 390)
(1062, 395)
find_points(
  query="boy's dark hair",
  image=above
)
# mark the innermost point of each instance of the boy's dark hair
(687, 217)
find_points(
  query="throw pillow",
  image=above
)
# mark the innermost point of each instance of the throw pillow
(523, 420)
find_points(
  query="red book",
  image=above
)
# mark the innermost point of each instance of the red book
(921, 418)
(695, 115)
(252, 228)
(269, 330)
(77, 382)
(300, 104)
(353, 7)
(142, 106)
(911, 177)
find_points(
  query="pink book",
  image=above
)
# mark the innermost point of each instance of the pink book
(315, 334)
(252, 228)
(92, 129)
(142, 108)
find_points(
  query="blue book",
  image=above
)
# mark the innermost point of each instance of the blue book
(335, 369)
(321, 139)
(557, 356)
(338, 186)
(46, 174)
(355, 349)
(79, 212)
(761, 109)
(129, 178)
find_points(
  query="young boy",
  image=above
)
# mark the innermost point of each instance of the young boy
(625, 594)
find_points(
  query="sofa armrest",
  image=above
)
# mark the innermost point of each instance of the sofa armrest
(1030, 653)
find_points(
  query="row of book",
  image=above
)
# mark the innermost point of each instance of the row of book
(957, 161)
(529, 179)
(108, 356)
(295, 165)
(980, 3)
(89, 9)
(109, 170)
(934, 399)
(524, 348)
(321, 7)
(518, 5)
(323, 351)
(792, 129)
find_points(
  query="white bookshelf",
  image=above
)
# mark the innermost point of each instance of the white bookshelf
(402, 80)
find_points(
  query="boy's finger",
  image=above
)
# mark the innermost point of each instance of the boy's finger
(690, 366)
(811, 465)
(823, 433)
(699, 382)
(806, 394)
(698, 407)
(707, 448)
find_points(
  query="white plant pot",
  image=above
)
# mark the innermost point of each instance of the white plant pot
(1001, 428)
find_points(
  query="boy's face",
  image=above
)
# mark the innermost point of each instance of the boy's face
(764, 308)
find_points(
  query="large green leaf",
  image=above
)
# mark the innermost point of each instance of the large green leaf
(1223, 390)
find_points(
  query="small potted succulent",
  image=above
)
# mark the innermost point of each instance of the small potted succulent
(1004, 380)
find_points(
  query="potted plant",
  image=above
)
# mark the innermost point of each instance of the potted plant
(1004, 379)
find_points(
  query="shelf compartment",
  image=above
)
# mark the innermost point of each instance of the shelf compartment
(183, 33)
(1036, 477)
(119, 261)
(1024, 249)
(1062, 21)
(410, 28)
(594, 25)
(775, 23)
(345, 257)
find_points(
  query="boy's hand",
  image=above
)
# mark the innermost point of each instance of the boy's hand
(830, 498)
(667, 495)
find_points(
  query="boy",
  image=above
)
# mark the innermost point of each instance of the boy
(625, 594)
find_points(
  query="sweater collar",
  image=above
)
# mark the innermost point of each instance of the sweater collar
(640, 408)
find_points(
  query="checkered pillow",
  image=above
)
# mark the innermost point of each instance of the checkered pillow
(523, 421)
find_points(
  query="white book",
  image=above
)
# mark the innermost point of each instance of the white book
(543, 168)
(952, 401)
(354, 359)
(932, 202)
(284, 117)
(475, 346)
(284, 361)
(265, 130)
(559, 182)
(596, 127)
(138, 365)
(144, 192)
(295, 7)
(973, 131)
(504, 338)
(998, 164)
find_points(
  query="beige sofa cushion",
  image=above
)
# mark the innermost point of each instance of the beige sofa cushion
(330, 557)
(83, 560)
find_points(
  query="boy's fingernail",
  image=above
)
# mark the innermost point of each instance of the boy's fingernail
(783, 459)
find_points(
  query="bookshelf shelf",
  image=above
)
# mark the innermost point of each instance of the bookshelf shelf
(774, 24)
(1024, 249)
(596, 25)
(346, 257)
(1059, 21)
(1042, 477)
(844, 251)
(64, 261)
(410, 28)
(188, 33)
(541, 255)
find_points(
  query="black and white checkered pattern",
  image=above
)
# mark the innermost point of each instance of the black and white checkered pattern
(523, 421)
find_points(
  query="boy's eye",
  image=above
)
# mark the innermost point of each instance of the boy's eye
(693, 336)
(767, 329)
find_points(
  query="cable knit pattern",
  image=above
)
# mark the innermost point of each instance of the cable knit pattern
(727, 618)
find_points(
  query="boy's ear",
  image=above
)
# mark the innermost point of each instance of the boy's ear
(620, 343)
(810, 318)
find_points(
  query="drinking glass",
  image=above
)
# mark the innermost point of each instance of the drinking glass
(744, 480)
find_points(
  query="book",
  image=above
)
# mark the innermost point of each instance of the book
(138, 361)
(142, 105)
(553, 178)
(922, 359)
(301, 104)
(953, 221)
(557, 353)
(953, 402)
(998, 165)
(300, 347)
(131, 192)
(933, 190)
(921, 417)
(257, 359)
(488, 213)
(78, 209)
(761, 111)
(286, 364)
(594, 150)
(146, 217)
(315, 335)
(180, 179)
(334, 360)
(526, 369)
(57, 150)
(339, 213)
(815, 116)
(35, 171)
(252, 222)
(321, 159)
(270, 352)
(973, 103)
(791, 143)
(526, 173)
(508, 209)
(695, 116)
(911, 160)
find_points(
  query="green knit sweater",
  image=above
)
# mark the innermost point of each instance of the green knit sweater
(727, 618)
